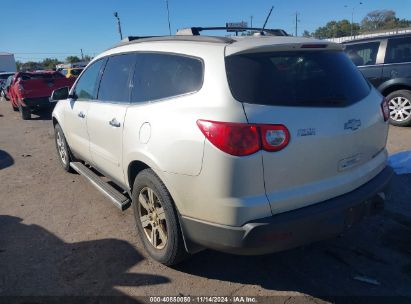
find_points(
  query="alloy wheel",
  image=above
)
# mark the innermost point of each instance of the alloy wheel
(400, 108)
(61, 147)
(152, 218)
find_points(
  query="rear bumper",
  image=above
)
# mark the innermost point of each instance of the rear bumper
(38, 102)
(293, 228)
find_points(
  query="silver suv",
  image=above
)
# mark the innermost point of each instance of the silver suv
(247, 145)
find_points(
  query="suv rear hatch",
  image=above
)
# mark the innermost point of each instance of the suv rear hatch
(337, 128)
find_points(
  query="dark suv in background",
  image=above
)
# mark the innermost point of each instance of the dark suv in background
(386, 62)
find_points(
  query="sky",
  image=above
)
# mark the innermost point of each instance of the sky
(35, 29)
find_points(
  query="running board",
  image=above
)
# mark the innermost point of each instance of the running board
(116, 197)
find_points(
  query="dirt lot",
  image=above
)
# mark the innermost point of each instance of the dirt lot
(60, 236)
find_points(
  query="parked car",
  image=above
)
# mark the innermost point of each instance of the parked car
(386, 62)
(71, 72)
(247, 145)
(3, 83)
(32, 91)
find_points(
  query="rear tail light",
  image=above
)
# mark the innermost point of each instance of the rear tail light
(385, 110)
(241, 139)
(233, 138)
(274, 137)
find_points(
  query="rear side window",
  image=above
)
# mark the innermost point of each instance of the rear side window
(363, 53)
(115, 82)
(398, 50)
(158, 76)
(324, 79)
(86, 87)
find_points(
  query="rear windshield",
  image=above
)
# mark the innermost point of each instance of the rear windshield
(322, 79)
(41, 76)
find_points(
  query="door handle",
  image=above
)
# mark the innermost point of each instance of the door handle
(81, 115)
(114, 123)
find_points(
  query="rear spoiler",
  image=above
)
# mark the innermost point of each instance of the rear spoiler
(266, 46)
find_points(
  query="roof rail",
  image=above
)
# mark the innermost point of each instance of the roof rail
(137, 39)
(132, 38)
(195, 31)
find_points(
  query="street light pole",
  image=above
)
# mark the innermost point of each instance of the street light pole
(168, 17)
(119, 25)
(352, 16)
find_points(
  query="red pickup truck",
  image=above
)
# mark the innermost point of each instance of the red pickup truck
(30, 91)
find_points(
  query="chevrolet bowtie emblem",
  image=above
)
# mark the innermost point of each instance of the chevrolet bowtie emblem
(352, 124)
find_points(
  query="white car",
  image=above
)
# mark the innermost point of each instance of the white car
(247, 145)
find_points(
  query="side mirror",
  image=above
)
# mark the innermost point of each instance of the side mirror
(59, 94)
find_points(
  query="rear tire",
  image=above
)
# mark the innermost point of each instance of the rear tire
(156, 219)
(399, 104)
(15, 109)
(25, 112)
(62, 147)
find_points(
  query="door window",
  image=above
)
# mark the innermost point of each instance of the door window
(86, 87)
(115, 82)
(160, 76)
(398, 50)
(363, 53)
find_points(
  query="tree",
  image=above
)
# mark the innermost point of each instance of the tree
(87, 58)
(307, 34)
(50, 64)
(29, 66)
(72, 59)
(19, 64)
(382, 20)
(376, 20)
(335, 29)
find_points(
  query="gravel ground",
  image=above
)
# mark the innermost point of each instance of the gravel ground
(60, 236)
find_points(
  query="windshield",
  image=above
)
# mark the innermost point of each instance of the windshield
(325, 78)
(76, 72)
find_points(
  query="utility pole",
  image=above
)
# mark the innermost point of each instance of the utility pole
(119, 25)
(168, 17)
(251, 18)
(296, 23)
(82, 57)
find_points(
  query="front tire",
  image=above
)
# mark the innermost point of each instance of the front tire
(156, 219)
(63, 150)
(399, 104)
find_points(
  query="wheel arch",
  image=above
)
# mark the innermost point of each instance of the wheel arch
(394, 85)
(133, 169)
(55, 121)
